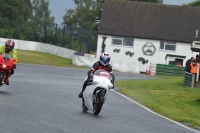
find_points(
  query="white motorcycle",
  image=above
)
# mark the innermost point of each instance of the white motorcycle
(94, 94)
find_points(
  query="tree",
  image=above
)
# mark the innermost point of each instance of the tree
(41, 21)
(196, 3)
(14, 14)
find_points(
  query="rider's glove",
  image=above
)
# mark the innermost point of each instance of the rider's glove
(15, 61)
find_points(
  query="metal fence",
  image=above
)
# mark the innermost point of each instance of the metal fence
(75, 38)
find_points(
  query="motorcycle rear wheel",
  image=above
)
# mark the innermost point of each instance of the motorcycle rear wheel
(98, 103)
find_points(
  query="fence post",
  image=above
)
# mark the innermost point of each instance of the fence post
(80, 42)
(35, 37)
(45, 33)
(55, 36)
(89, 42)
(70, 46)
(16, 29)
(63, 39)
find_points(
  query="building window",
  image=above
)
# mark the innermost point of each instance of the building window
(117, 40)
(168, 45)
(122, 41)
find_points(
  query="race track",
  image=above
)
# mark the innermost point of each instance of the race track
(42, 99)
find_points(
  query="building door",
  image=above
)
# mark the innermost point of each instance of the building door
(176, 61)
(179, 61)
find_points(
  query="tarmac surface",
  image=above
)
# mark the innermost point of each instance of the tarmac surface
(43, 99)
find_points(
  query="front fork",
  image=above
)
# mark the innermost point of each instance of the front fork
(6, 74)
(96, 99)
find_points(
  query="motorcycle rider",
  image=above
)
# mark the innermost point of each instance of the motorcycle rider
(103, 63)
(8, 48)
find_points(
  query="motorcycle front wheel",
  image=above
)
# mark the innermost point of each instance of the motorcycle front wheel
(84, 108)
(98, 103)
(1, 77)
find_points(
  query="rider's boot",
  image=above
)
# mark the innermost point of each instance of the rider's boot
(84, 86)
(7, 81)
(81, 95)
(113, 85)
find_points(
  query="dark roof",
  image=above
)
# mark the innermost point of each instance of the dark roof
(171, 55)
(150, 20)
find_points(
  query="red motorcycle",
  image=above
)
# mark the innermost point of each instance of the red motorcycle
(6, 65)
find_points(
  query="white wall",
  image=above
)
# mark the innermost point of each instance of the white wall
(41, 47)
(182, 49)
(83, 61)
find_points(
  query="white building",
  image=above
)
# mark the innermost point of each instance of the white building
(161, 34)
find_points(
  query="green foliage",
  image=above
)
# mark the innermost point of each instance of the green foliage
(19, 18)
(41, 21)
(14, 15)
(196, 3)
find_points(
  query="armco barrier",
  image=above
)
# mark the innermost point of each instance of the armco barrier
(189, 80)
(169, 70)
(41, 47)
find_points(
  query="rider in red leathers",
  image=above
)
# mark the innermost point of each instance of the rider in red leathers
(103, 63)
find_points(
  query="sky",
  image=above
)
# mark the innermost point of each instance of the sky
(58, 7)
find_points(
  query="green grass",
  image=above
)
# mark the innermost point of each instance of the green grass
(34, 57)
(166, 96)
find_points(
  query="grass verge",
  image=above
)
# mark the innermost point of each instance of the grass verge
(34, 57)
(166, 96)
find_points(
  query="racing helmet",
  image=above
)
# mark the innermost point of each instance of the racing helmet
(104, 59)
(9, 45)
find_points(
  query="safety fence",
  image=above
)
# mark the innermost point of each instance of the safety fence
(189, 79)
(169, 70)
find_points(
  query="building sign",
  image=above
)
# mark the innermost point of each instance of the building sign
(149, 49)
